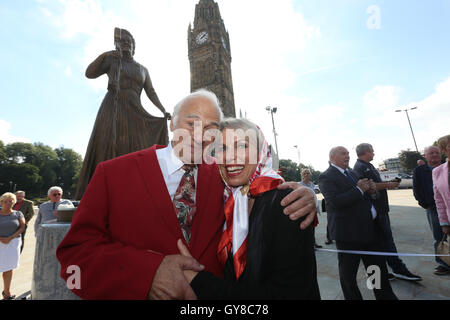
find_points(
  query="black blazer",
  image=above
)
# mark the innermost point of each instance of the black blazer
(423, 186)
(281, 262)
(349, 216)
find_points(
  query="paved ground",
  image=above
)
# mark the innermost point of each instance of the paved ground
(411, 233)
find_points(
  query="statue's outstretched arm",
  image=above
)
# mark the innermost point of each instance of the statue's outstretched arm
(99, 66)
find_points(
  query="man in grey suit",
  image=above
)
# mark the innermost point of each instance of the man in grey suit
(353, 224)
(26, 207)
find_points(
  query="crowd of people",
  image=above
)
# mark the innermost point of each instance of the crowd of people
(15, 214)
(226, 227)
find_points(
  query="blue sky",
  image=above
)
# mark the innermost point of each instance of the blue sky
(334, 80)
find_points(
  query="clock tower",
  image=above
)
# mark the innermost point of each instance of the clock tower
(210, 55)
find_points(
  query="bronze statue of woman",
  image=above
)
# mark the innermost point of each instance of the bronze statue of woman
(122, 125)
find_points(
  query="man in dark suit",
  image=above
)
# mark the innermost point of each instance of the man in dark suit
(124, 234)
(26, 207)
(365, 169)
(353, 224)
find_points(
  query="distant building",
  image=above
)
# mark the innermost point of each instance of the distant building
(392, 164)
(209, 55)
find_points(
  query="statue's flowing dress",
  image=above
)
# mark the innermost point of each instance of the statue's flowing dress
(122, 125)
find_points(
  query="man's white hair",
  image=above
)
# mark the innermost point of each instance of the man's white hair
(53, 189)
(334, 150)
(198, 93)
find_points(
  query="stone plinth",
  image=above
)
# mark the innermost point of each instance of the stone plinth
(47, 283)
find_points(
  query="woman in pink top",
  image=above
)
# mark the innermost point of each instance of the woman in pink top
(441, 185)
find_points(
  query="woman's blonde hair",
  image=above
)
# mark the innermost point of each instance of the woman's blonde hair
(8, 195)
(304, 170)
(443, 142)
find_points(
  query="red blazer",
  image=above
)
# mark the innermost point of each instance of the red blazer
(126, 224)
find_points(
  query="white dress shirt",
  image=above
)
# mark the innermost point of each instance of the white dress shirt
(372, 209)
(171, 168)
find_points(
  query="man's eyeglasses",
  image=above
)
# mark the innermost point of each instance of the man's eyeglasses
(56, 194)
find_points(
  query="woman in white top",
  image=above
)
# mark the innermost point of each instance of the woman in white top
(12, 224)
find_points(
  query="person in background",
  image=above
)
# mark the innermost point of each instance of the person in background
(352, 219)
(423, 192)
(441, 186)
(365, 169)
(420, 162)
(306, 176)
(47, 210)
(12, 224)
(26, 207)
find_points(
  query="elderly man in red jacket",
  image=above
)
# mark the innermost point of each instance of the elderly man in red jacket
(124, 234)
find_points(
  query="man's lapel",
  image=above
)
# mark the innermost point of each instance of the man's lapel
(341, 177)
(157, 190)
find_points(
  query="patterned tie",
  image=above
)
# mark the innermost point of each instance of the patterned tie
(184, 201)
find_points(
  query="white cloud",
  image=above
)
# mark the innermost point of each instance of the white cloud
(68, 71)
(261, 48)
(389, 131)
(379, 104)
(432, 118)
(160, 29)
(6, 136)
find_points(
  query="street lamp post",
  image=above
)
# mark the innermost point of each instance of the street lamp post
(407, 116)
(272, 111)
(298, 153)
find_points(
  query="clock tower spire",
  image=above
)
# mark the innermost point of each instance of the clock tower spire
(210, 55)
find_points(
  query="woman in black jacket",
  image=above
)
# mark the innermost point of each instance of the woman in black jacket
(265, 254)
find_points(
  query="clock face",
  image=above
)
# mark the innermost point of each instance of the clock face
(202, 37)
(223, 43)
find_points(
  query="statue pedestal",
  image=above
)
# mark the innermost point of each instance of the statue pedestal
(47, 283)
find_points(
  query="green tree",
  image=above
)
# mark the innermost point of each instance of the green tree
(291, 171)
(408, 159)
(22, 176)
(68, 169)
(36, 167)
(3, 156)
(19, 152)
(46, 159)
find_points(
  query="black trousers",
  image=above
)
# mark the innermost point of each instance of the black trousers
(348, 269)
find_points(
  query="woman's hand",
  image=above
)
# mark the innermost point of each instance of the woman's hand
(5, 240)
(189, 274)
(301, 202)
